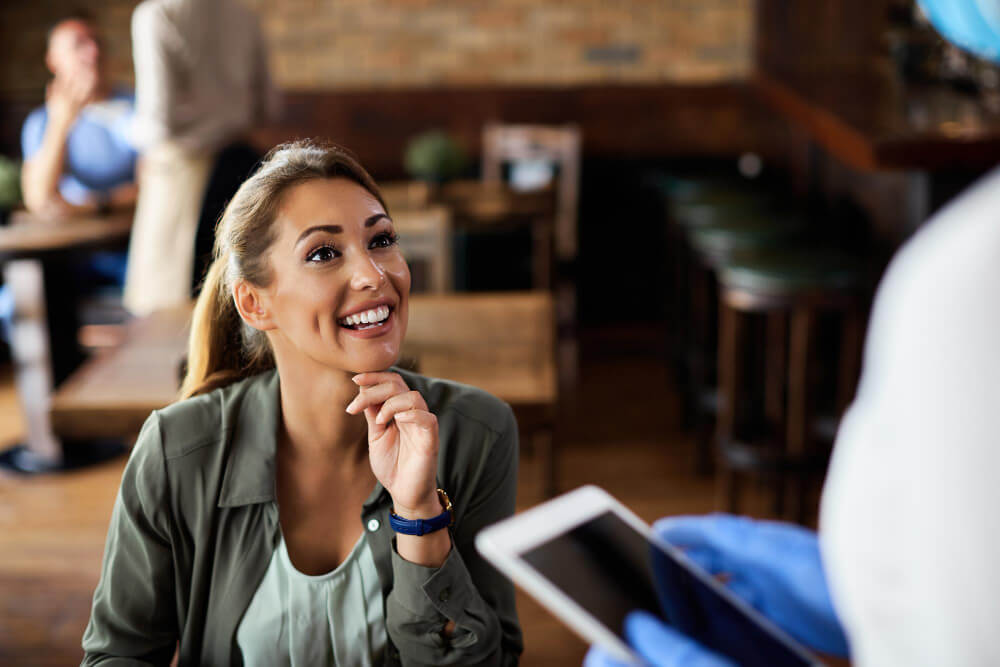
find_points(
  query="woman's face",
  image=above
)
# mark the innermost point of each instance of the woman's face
(340, 286)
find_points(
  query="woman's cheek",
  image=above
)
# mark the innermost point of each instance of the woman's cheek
(400, 272)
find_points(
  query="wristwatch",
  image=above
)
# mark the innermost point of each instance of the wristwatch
(424, 526)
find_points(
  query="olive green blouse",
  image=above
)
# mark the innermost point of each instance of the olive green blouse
(196, 522)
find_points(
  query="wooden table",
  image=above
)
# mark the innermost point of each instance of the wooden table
(479, 206)
(870, 121)
(114, 391)
(500, 342)
(31, 236)
(31, 247)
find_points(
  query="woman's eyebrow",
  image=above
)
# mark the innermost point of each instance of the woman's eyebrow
(332, 229)
(337, 229)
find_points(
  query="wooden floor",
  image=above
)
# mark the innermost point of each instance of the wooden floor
(621, 433)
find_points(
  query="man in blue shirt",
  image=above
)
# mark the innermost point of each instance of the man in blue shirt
(78, 160)
(77, 154)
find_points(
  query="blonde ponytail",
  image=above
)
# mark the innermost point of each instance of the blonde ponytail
(223, 349)
(218, 353)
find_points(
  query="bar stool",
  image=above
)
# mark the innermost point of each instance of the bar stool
(715, 239)
(698, 205)
(774, 437)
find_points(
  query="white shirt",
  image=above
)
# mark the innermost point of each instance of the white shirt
(201, 73)
(295, 619)
(908, 522)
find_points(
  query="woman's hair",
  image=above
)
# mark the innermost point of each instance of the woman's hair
(222, 348)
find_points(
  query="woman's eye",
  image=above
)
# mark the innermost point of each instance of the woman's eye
(322, 254)
(384, 240)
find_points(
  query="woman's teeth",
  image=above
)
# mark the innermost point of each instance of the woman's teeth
(366, 319)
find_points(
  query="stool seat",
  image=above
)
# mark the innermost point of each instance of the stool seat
(790, 271)
(723, 210)
(749, 234)
(692, 188)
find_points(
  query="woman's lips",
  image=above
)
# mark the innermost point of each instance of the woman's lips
(373, 331)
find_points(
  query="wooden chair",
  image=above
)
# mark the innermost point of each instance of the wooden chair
(502, 342)
(559, 145)
(426, 239)
(405, 195)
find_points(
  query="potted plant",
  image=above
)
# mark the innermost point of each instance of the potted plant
(10, 187)
(435, 157)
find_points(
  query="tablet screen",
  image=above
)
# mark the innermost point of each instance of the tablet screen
(610, 569)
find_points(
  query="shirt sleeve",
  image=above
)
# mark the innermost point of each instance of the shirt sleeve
(155, 87)
(466, 589)
(32, 133)
(909, 504)
(132, 621)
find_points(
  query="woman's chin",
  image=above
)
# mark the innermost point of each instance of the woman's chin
(375, 364)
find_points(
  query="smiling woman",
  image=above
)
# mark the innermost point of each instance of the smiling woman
(308, 503)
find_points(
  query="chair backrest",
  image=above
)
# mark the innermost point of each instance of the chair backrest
(426, 240)
(503, 342)
(559, 145)
(405, 195)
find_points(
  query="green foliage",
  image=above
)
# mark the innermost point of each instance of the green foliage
(434, 156)
(10, 183)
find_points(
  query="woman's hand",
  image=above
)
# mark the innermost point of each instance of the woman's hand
(402, 442)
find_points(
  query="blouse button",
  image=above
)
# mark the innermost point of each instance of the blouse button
(373, 525)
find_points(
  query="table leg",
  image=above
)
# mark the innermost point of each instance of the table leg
(31, 352)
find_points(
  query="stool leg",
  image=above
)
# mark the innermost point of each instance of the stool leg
(700, 365)
(776, 352)
(796, 438)
(545, 444)
(850, 359)
(729, 369)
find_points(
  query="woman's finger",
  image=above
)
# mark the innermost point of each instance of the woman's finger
(367, 379)
(421, 418)
(375, 430)
(374, 395)
(411, 400)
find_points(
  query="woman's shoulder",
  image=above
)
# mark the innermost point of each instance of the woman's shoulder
(454, 401)
(207, 419)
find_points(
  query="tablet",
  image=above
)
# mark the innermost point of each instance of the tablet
(590, 561)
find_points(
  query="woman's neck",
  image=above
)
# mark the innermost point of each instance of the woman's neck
(314, 421)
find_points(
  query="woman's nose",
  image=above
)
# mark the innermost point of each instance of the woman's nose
(366, 272)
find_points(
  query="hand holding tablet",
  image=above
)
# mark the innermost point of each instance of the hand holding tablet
(594, 564)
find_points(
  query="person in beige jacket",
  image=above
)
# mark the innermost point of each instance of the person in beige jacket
(202, 83)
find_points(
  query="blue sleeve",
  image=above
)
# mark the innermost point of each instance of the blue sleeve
(32, 133)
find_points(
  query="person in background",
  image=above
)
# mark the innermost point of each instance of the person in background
(78, 155)
(906, 550)
(78, 160)
(202, 84)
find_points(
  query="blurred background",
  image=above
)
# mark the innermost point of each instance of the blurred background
(652, 226)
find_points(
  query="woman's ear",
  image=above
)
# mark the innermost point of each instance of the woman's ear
(251, 303)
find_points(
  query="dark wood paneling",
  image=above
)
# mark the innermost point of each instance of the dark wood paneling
(617, 121)
(820, 34)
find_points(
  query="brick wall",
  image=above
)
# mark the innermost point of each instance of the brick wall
(331, 44)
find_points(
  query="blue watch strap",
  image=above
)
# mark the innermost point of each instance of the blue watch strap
(424, 526)
(419, 526)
